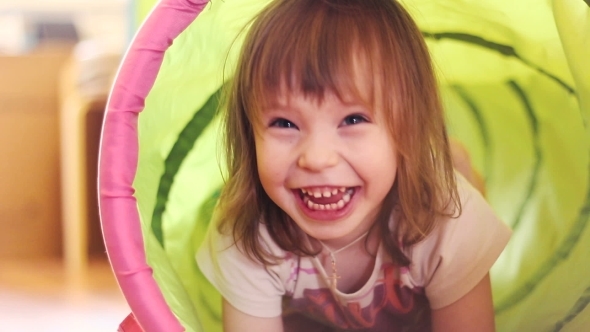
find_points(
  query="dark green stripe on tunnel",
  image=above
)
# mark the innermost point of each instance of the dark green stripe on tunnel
(576, 309)
(505, 50)
(483, 129)
(534, 124)
(559, 255)
(183, 145)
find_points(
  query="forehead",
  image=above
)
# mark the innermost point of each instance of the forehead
(355, 84)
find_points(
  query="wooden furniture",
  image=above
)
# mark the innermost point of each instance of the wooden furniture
(29, 154)
(83, 95)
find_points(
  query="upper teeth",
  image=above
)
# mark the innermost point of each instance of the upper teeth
(317, 193)
(332, 206)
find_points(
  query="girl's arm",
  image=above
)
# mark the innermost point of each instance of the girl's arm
(234, 320)
(472, 312)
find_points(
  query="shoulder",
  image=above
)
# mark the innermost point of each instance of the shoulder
(217, 243)
(460, 251)
(246, 284)
(477, 224)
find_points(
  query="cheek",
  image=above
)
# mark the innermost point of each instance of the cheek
(385, 169)
(270, 166)
(265, 177)
(383, 164)
(377, 151)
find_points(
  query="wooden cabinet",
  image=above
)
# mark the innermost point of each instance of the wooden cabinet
(29, 154)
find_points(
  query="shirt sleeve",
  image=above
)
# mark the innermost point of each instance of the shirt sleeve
(246, 284)
(460, 251)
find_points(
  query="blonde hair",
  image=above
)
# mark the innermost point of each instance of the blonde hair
(310, 46)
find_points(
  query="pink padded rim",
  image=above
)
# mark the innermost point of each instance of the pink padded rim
(118, 162)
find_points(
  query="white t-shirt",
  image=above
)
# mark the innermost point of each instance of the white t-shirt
(446, 265)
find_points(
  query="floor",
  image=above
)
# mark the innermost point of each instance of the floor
(35, 296)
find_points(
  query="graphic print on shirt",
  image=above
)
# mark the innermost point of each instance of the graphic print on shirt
(393, 307)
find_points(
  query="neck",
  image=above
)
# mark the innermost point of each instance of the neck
(335, 251)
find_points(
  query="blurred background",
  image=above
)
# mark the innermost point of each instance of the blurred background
(57, 61)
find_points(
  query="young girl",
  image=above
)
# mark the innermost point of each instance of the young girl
(341, 209)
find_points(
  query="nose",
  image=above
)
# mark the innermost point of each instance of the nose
(318, 152)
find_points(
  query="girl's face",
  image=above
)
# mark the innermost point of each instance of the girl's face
(327, 164)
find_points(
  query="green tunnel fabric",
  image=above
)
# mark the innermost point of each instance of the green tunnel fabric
(515, 78)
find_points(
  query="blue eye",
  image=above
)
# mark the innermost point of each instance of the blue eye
(282, 123)
(354, 119)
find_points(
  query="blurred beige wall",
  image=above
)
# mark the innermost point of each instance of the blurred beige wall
(104, 20)
(32, 112)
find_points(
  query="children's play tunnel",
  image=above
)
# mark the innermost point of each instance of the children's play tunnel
(515, 76)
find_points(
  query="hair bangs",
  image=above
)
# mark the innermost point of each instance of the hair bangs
(317, 48)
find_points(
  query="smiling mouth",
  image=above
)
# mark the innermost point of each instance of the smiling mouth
(326, 199)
